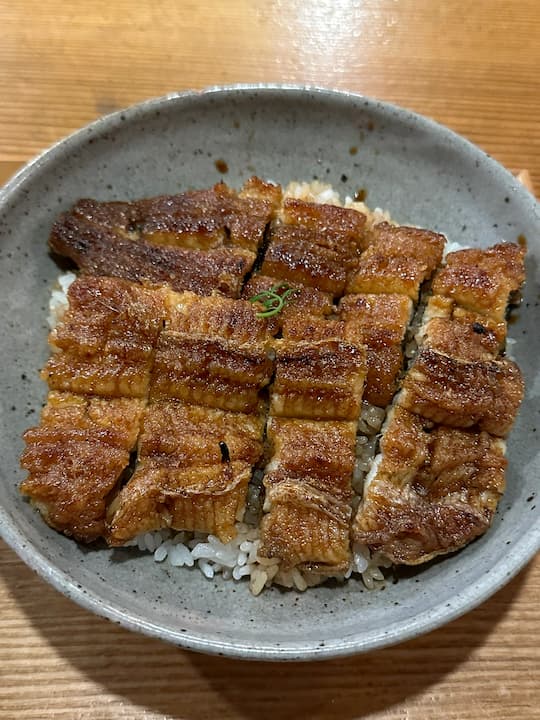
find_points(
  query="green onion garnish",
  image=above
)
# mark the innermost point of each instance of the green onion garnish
(273, 300)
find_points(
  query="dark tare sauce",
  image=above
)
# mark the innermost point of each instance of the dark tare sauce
(360, 195)
(222, 166)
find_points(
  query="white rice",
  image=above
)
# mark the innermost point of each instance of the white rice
(510, 345)
(451, 247)
(58, 301)
(238, 559)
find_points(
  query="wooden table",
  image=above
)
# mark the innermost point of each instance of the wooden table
(473, 66)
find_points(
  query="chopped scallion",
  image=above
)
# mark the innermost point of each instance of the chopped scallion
(273, 300)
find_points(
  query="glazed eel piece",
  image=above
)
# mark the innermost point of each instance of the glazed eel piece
(437, 482)
(187, 423)
(201, 240)
(203, 427)
(186, 373)
(315, 402)
(98, 377)
(324, 367)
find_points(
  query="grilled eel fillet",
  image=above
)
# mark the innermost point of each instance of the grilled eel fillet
(76, 457)
(436, 485)
(308, 494)
(102, 251)
(194, 220)
(201, 240)
(432, 490)
(315, 402)
(111, 358)
(324, 367)
(194, 465)
(207, 240)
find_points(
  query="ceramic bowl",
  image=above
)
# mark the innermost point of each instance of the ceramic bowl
(426, 175)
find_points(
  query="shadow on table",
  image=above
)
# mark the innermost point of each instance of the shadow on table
(177, 684)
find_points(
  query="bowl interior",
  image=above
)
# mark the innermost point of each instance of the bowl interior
(424, 175)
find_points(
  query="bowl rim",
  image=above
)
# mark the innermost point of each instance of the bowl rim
(521, 552)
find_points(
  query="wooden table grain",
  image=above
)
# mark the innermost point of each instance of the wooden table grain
(472, 66)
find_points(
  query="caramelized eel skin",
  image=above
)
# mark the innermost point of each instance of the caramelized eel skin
(436, 489)
(463, 394)
(100, 251)
(441, 472)
(75, 457)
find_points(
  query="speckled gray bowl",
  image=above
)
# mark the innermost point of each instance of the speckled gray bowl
(426, 175)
